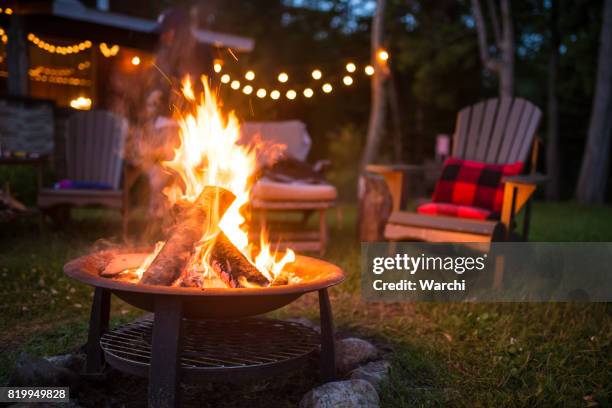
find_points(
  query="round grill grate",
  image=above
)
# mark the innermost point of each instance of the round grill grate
(214, 345)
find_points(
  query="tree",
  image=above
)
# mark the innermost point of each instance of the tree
(596, 159)
(552, 140)
(377, 109)
(503, 63)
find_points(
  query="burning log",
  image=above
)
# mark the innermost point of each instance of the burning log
(232, 266)
(192, 224)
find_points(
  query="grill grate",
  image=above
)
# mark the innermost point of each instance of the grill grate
(217, 344)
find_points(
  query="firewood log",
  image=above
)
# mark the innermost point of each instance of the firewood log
(192, 222)
(232, 266)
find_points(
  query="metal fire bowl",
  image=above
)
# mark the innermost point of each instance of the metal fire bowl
(211, 303)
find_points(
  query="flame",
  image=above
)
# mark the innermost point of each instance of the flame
(149, 259)
(209, 155)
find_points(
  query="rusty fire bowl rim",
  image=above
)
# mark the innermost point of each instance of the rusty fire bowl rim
(83, 270)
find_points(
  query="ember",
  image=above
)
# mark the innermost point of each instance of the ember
(208, 243)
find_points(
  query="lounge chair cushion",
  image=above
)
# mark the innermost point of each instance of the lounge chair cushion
(454, 210)
(474, 184)
(268, 190)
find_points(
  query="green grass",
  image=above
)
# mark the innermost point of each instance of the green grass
(444, 354)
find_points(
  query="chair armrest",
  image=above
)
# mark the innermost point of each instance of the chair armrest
(527, 179)
(403, 168)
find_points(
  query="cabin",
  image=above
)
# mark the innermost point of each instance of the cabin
(58, 55)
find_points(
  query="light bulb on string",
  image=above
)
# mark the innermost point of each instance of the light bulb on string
(261, 93)
(275, 94)
(350, 67)
(225, 78)
(247, 90)
(382, 55)
(235, 84)
(283, 77)
(316, 74)
(291, 94)
(327, 88)
(249, 76)
(369, 70)
(347, 80)
(308, 92)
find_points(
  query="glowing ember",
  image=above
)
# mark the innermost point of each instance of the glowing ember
(209, 155)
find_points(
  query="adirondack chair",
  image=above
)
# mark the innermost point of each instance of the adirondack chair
(270, 196)
(498, 131)
(94, 148)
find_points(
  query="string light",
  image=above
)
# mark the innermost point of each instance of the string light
(382, 55)
(217, 67)
(250, 75)
(347, 80)
(308, 92)
(225, 78)
(327, 88)
(261, 93)
(136, 60)
(8, 11)
(316, 74)
(59, 49)
(41, 70)
(235, 84)
(84, 65)
(275, 94)
(291, 94)
(248, 89)
(81, 103)
(369, 70)
(109, 51)
(350, 67)
(283, 77)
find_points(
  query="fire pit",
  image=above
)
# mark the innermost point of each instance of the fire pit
(206, 334)
(205, 280)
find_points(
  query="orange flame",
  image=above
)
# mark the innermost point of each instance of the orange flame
(209, 155)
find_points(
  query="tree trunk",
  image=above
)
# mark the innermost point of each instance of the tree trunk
(552, 145)
(502, 66)
(506, 68)
(595, 162)
(377, 109)
(398, 148)
(17, 58)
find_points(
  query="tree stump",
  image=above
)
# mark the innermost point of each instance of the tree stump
(375, 204)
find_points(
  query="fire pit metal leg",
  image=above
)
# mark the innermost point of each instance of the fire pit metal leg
(164, 371)
(100, 313)
(328, 347)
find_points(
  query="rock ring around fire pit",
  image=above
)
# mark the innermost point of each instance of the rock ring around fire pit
(206, 303)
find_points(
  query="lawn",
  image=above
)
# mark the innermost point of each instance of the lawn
(443, 354)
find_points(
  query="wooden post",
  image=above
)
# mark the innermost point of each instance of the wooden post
(375, 204)
(18, 60)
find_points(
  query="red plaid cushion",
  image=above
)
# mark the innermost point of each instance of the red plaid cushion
(474, 184)
(454, 210)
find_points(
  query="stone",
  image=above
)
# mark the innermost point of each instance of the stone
(374, 372)
(351, 352)
(305, 322)
(33, 371)
(73, 362)
(342, 394)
